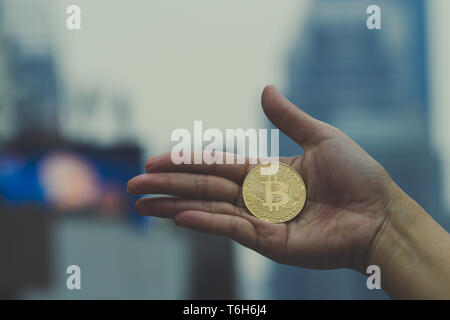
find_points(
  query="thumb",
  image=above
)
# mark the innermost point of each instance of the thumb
(295, 123)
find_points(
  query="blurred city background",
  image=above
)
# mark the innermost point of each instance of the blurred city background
(81, 110)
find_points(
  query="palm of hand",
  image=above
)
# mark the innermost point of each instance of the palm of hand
(346, 201)
(347, 196)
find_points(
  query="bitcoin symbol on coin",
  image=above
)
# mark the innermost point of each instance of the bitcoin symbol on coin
(277, 193)
(275, 197)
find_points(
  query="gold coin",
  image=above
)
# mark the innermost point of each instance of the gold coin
(274, 195)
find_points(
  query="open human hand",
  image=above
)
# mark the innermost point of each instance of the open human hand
(348, 196)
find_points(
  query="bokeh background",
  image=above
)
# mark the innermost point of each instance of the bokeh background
(81, 110)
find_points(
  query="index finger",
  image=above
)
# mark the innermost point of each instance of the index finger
(229, 168)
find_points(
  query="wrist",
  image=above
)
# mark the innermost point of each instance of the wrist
(396, 230)
(411, 250)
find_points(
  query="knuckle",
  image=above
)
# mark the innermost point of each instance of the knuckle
(233, 227)
(207, 206)
(202, 183)
(210, 227)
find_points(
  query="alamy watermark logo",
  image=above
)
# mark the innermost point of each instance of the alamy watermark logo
(251, 145)
(73, 281)
(73, 21)
(374, 281)
(373, 22)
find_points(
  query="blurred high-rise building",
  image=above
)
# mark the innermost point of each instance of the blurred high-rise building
(6, 109)
(43, 100)
(372, 84)
(27, 31)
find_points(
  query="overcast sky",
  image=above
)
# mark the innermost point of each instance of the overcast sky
(182, 61)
